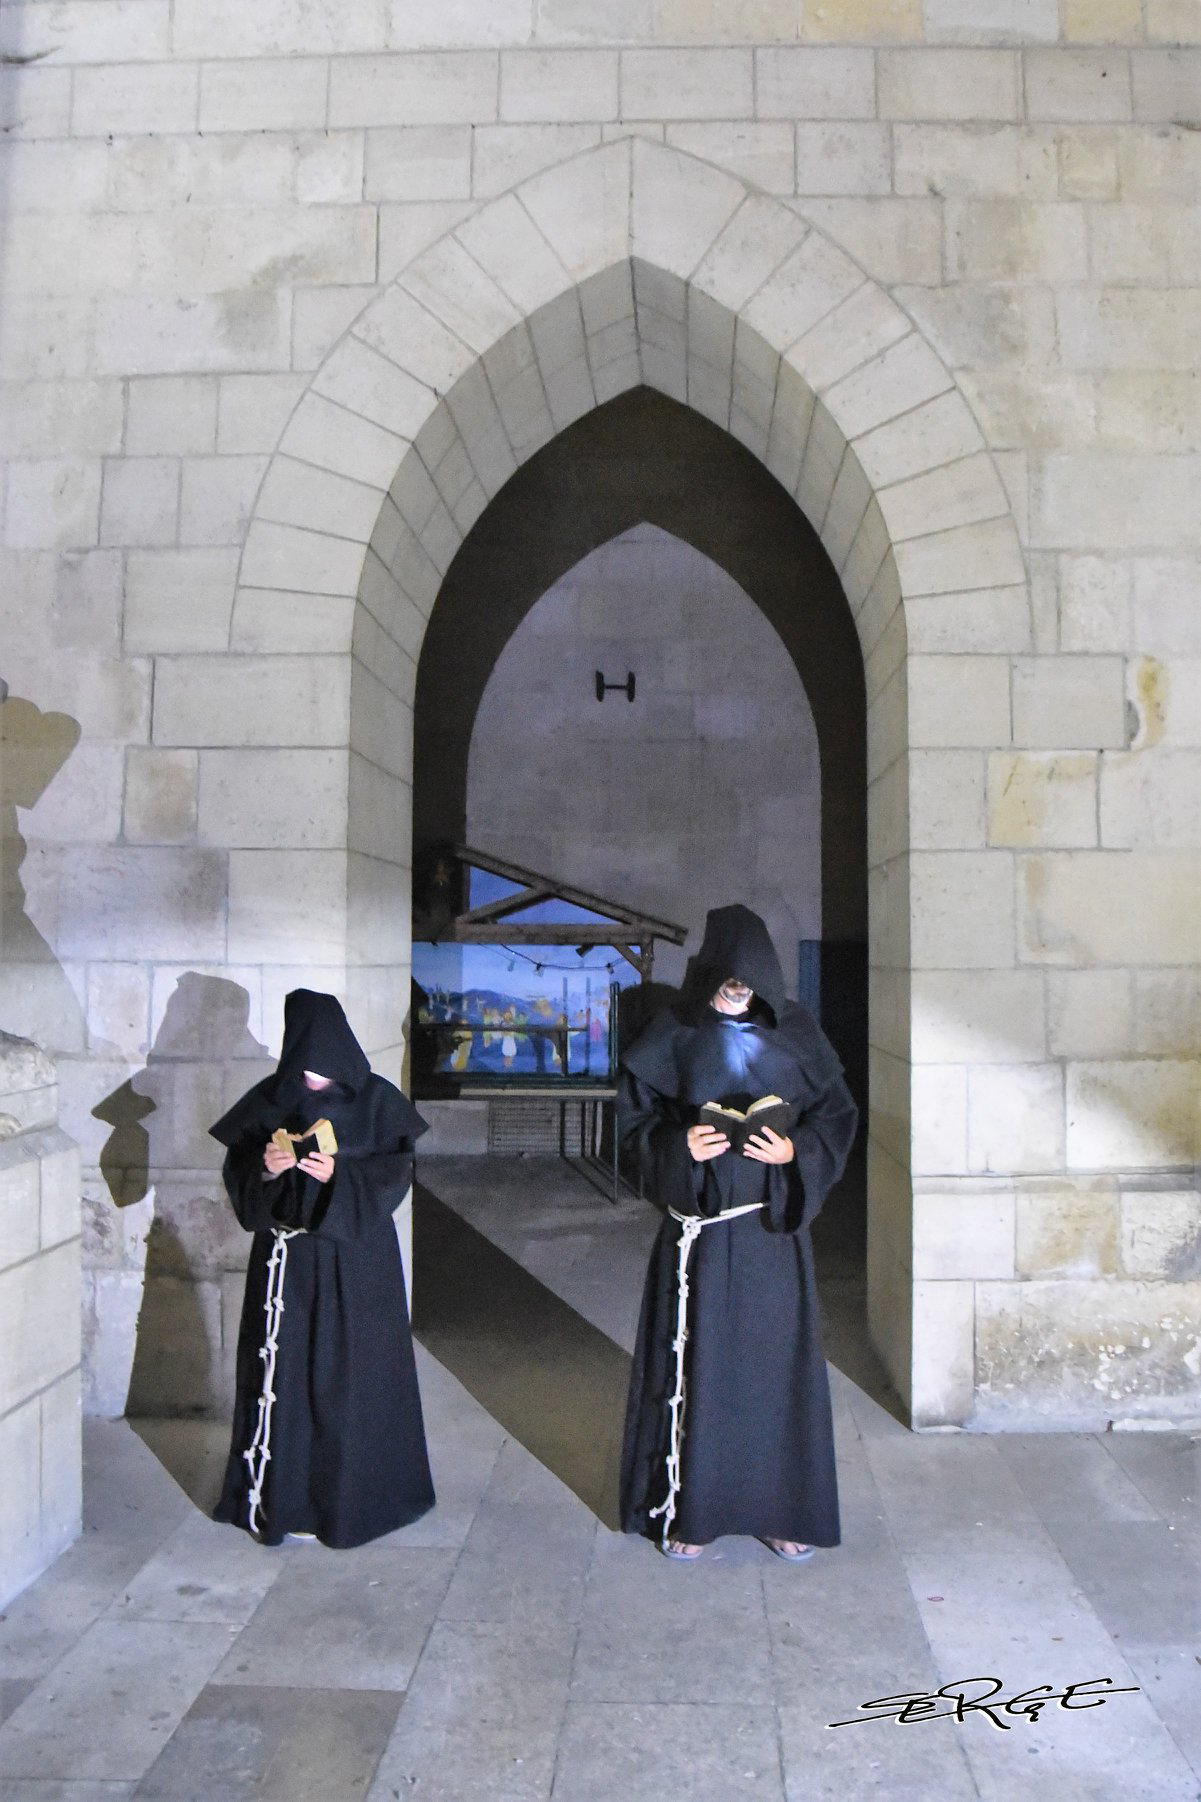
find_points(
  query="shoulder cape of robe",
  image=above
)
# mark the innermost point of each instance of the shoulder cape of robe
(758, 1453)
(347, 1442)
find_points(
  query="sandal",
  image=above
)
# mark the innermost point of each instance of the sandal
(674, 1549)
(799, 1556)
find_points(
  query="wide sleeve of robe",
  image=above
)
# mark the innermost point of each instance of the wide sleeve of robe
(655, 1130)
(822, 1139)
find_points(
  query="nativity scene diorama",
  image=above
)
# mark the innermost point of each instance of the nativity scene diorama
(518, 978)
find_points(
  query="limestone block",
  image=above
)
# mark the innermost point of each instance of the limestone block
(71, 177)
(287, 906)
(993, 21)
(444, 88)
(983, 160)
(365, 382)
(111, 1303)
(20, 1535)
(39, 1322)
(140, 501)
(81, 31)
(1067, 1229)
(1082, 1352)
(1015, 1117)
(53, 504)
(1167, 1012)
(134, 98)
(136, 902)
(943, 1352)
(237, 701)
(413, 26)
(545, 86)
(329, 167)
(958, 494)
(503, 155)
(1069, 702)
(1110, 907)
(1077, 84)
(946, 801)
(849, 500)
(1104, 21)
(279, 556)
(888, 21)
(47, 419)
(857, 330)
(1128, 328)
(806, 286)
(686, 84)
(936, 433)
(842, 158)
(281, 94)
(151, 334)
(405, 230)
(418, 162)
(267, 798)
(957, 1236)
(1090, 1013)
(253, 411)
(1166, 618)
(44, 337)
(1041, 800)
(1132, 1114)
(1151, 798)
(679, 207)
(319, 318)
(317, 499)
(948, 84)
(755, 240)
(328, 436)
(212, 250)
(571, 21)
(962, 909)
(414, 339)
(979, 1018)
(1094, 604)
(265, 618)
(1088, 165)
(61, 1464)
(19, 1234)
(1145, 411)
(584, 210)
(119, 1009)
(1007, 240)
(507, 245)
(802, 83)
(35, 103)
(179, 600)
(762, 154)
(892, 240)
(1161, 1234)
(1167, 85)
(171, 416)
(176, 1368)
(959, 701)
(939, 1136)
(1172, 22)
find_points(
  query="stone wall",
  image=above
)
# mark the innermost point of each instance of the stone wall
(935, 261)
(40, 1454)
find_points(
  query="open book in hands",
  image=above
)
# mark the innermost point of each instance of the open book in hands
(738, 1126)
(321, 1130)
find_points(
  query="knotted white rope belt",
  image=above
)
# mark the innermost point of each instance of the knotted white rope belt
(259, 1454)
(691, 1225)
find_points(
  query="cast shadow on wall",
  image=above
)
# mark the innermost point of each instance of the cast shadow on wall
(203, 1055)
(34, 746)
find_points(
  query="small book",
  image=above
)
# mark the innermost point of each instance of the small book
(738, 1126)
(321, 1130)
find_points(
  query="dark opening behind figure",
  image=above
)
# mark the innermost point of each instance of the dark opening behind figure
(739, 1366)
(328, 1438)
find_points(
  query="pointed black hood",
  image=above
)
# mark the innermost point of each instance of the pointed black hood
(317, 1037)
(736, 943)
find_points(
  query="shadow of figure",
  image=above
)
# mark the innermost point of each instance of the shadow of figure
(36, 998)
(204, 1055)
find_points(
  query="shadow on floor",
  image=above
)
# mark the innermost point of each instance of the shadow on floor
(192, 1452)
(549, 1377)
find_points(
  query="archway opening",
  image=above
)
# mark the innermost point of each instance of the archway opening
(645, 537)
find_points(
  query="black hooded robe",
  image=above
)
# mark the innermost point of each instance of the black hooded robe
(344, 1427)
(758, 1442)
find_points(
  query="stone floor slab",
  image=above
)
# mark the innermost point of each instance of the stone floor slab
(1166, 1468)
(826, 1763)
(658, 1631)
(35, 1789)
(648, 1752)
(203, 1572)
(1072, 1475)
(482, 1716)
(529, 1551)
(249, 1744)
(356, 1620)
(464, 1443)
(13, 1691)
(109, 1707)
